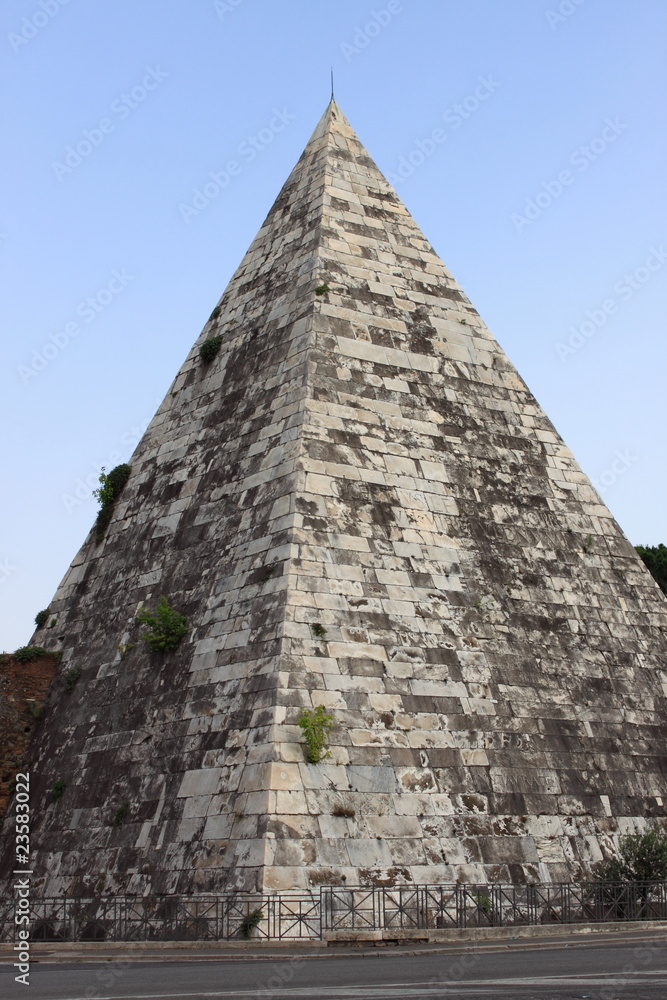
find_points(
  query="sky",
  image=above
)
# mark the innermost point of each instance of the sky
(527, 139)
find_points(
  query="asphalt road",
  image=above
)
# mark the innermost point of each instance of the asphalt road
(609, 971)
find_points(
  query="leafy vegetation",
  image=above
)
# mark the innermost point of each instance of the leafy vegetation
(641, 857)
(249, 922)
(166, 627)
(70, 677)
(316, 726)
(41, 617)
(121, 813)
(322, 289)
(654, 558)
(318, 630)
(58, 790)
(25, 654)
(110, 488)
(210, 348)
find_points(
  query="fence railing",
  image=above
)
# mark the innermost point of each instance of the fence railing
(333, 910)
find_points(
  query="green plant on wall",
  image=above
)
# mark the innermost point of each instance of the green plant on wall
(70, 677)
(42, 617)
(316, 726)
(166, 627)
(249, 922)
(110, 488)
(322, 289)
(121, 813)
(58, 790)
(210, 348)
(25, 654)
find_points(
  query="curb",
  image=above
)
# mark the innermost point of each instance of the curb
(204, 951)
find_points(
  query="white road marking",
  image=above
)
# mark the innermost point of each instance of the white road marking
(379, 991)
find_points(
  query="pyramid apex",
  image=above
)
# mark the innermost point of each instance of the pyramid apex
(332, 117)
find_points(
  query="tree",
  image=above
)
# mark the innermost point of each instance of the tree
(654, 558)
(642, 857)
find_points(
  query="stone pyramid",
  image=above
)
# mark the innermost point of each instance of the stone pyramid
(357, 504)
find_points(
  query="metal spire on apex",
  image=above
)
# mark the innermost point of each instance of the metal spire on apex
(332, 84)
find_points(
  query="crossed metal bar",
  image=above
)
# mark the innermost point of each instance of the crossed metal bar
(298, 915)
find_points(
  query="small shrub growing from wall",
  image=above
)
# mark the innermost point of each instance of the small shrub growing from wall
(316, 726)
(110, 488)
(70, 677)
(249, 922)
(166, 627)
(210, 348)
(58, 790)
(121, 813)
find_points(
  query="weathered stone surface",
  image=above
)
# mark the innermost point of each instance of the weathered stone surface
(367, 461)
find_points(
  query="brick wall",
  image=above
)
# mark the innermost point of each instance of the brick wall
(24, 688)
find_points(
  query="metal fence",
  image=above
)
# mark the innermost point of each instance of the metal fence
(334, 911)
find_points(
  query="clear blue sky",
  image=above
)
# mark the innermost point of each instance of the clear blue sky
(172, 91)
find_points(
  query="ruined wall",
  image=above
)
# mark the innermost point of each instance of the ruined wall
(24, 691)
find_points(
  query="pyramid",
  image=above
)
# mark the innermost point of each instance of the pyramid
(356, 504)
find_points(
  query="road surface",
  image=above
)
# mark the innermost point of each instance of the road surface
(597, 970)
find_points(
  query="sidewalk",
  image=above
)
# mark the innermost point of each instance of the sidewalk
(443, 941)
